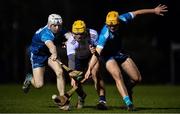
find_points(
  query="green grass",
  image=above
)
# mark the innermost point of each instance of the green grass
(148, 99)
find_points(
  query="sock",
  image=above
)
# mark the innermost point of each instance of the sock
(127, 100)
(80, 98)
(102, 99)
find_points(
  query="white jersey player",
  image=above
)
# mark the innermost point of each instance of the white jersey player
(80, 45)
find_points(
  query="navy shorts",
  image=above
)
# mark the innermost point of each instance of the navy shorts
(119, 57)
(38, 60)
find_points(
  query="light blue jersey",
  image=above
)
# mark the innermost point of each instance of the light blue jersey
(110, 42)
(39, 52)
(38, 41)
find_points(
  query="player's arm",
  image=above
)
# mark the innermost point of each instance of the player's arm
(100, 42)
(93, 41)
(52, 49)
(159, 10)
(68, 35)
(93, 61)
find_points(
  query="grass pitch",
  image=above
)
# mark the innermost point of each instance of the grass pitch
(147, 99)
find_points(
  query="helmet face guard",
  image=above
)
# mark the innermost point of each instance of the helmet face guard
(55, 19)
(112, 18)
(79, 27)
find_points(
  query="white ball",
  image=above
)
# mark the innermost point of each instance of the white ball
(54, 96)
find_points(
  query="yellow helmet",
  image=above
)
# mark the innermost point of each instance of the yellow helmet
(78, 27)
(112, 18)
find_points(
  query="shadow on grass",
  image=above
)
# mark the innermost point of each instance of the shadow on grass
(85, 107)
(144, 108)
(113, 108)
(153, 108)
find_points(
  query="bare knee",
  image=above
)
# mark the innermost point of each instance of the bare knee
(137, 79)
(59, 73)
(94, 72)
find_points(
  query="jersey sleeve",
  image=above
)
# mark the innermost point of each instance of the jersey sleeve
(71, 44)
(126, 17)
(103, 37)
(94, 37)
(46, 35)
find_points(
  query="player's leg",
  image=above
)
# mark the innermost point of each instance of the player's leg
(81, 97)
(134, 75)
(56, 67)
(80, 64)
(131, 69)
(75, 64)
(115, 71)
(37, 77)
(60, 81)
(99, 86)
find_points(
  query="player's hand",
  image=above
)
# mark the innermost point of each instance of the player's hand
(86, 76)
(160, 9)
(73, 82)
(64, 45)
(53, 57)
(92, 49)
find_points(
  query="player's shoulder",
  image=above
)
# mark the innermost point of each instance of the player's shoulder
(93, 33)
(45, 30)
(46, 34)
(68, 35)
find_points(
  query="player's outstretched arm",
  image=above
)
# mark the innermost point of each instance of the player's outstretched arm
(159, 10)
(68, 35)
(93, 61)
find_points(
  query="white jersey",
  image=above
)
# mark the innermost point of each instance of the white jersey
(81, 48)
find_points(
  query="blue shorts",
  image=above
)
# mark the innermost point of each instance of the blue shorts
(119, 57)
(38, 60)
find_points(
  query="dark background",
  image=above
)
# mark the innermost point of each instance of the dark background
(149, 38)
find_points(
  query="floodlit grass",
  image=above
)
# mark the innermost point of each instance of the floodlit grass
(148, 99)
